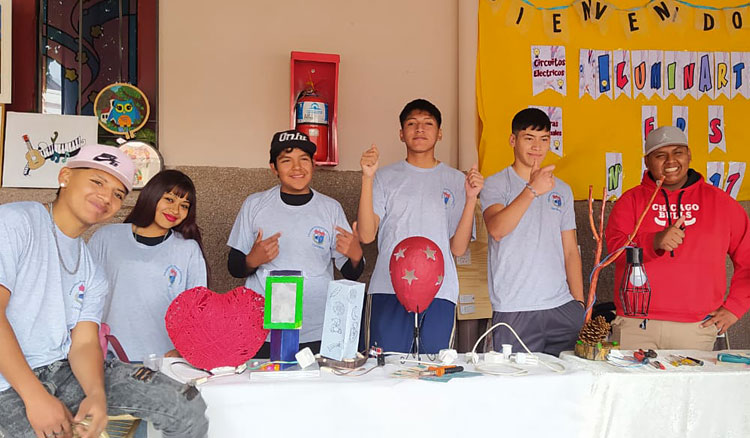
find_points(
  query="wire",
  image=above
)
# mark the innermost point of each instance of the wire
(494, 368)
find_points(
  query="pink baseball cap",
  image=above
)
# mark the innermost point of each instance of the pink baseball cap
(107, 158)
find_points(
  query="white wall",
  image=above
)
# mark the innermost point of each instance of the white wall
(224, 73)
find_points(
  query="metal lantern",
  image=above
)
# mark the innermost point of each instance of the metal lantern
(635, 291)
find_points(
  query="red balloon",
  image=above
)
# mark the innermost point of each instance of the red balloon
(212, 330)
(417, 270)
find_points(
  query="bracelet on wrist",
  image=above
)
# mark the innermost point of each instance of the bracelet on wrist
(531, 189)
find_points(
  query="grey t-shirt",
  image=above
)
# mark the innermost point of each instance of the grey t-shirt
(46, 302)
(412, 201)
(526, 269)
(144, 280)
(307, 244)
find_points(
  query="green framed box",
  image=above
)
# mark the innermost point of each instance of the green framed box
(283, 309)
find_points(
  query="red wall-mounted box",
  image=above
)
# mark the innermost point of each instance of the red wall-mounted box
(323, 70)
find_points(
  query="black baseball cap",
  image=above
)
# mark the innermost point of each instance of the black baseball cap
(290, 139)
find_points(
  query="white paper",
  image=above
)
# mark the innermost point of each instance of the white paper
(649, 122)
(621, 73)
(53, 139)
(687, 75)
(640, 72)
(735, 175)
(705, 74)
(595, 69)
(548, 69)
(614, 173)
(722, 79)
(740, 74)
(680, 119)
(716, 128)
(715, 173)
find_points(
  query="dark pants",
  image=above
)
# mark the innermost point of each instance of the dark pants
(392, 327)
(175, 409)
(550, 331)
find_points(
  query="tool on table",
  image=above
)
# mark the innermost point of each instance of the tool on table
(439, 371)
(733, 358)
(698, 361)
(658, 365)
(644, 356)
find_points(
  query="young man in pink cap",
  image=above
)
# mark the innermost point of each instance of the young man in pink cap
(51, 300)
(686, 235)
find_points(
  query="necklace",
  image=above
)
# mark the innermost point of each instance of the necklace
(57, 246)
(135, 235)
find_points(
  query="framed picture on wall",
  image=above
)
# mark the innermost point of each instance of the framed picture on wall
(5, 50)
(37, 146)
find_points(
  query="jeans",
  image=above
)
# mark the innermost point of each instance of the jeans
(175, 409)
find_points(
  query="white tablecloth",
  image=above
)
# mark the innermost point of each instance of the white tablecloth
(589, 400)
(686, 401)
(537, 405)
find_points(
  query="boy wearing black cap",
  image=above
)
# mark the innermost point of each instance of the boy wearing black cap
(292, 226)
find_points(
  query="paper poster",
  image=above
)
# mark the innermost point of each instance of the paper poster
(721, 80)
(556, 134)
(715, 173)
(680, 119)
(548, 69)
(705, 74)
(648, 122)
(639, 59)
(614, 175)
(670, 73)
(735, 175)
(655, 73)
(685, 74)
(716, 128)
(595, 73)
(37, 146)
(621, 72)
(740, 75)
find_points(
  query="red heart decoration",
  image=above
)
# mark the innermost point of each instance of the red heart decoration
(212, 330)
(417, 270)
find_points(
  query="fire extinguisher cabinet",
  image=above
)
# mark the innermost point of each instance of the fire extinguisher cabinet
(313, 101)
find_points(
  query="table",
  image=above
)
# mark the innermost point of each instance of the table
(589, 400)
(708, 401)
(540, 404)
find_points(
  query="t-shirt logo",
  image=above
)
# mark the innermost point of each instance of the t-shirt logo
(318, 236)
(173, 275)
(687, 210)
(77, 292)
(448, 198)
(555, 201)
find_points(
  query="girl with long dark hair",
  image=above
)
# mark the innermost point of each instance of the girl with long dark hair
(152, 257)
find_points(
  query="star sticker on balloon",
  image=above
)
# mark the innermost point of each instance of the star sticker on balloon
(430, 253)
(409, 276)
(400, 253)
(439, 281)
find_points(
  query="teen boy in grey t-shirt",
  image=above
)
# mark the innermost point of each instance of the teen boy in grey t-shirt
(51, 297)
(534, 267)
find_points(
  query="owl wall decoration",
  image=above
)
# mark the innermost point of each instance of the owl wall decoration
(122, 109)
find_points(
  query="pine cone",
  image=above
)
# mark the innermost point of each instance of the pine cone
(594, 331)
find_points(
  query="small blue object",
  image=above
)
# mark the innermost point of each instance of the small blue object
(734, 358)
(284, 345)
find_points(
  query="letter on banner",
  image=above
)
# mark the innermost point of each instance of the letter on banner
(680, 118)
(715, 173)
(740, 74)
(687, 73)
(648, 122)
(548, 69)
(639, 60)
(595, 70)
(716, 128)
(735, 175)
(721, 59)
(614, 175)
(705, 75)
(555, 23)
(735, 19)
(519, 15)
(556, 133)
(621, 73)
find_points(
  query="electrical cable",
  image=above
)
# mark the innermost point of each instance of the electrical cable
(494, 369)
